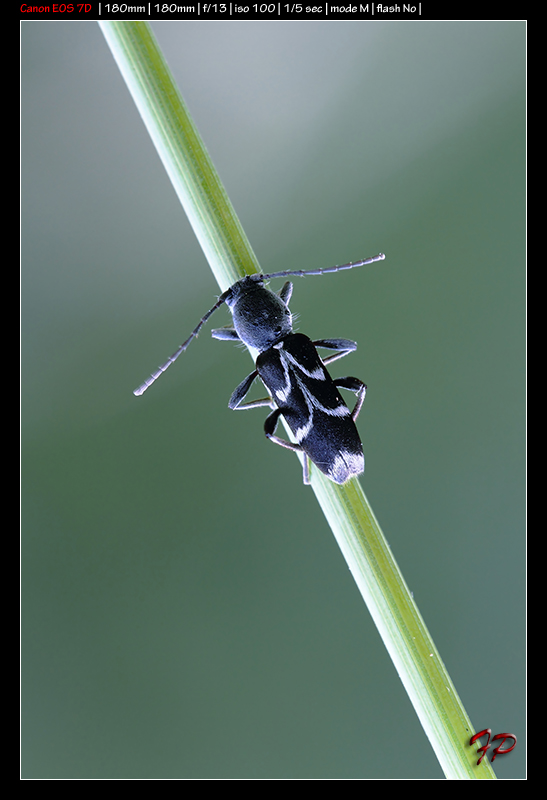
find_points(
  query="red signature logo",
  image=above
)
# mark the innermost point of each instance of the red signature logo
(497, 750)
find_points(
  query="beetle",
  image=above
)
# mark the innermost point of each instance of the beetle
(301, 389)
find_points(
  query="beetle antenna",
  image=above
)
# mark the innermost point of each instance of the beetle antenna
(171, 360)
(323, 271)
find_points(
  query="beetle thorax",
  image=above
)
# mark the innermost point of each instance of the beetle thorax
(260, 317)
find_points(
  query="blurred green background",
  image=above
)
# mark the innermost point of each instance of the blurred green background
(186, 611)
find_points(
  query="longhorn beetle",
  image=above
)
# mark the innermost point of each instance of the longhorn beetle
(290, 367)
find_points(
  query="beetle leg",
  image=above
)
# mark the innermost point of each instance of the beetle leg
(227, 333)
(270, 425)
(344, 346)
(285, 292)
(357, 386)
(241, 390)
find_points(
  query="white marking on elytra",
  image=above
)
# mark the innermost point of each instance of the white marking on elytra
(339, 411)
(312, 403)
(345, 465)
(302, 432)
(317, 374)
(283, 394)
(340, 471)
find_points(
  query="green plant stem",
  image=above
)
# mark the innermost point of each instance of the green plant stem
(346, 508)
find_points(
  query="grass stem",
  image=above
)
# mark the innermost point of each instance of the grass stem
(346, 508)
